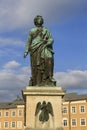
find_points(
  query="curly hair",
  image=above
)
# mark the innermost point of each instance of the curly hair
(36, 18)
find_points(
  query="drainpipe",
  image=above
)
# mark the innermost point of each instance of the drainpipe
(69, 116)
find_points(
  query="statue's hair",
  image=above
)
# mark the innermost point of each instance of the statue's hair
(35, 19)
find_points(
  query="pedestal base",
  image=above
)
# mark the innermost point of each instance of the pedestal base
(35, 95)
(44, 129)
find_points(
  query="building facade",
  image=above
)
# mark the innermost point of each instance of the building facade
(12, 115)
(74, 112)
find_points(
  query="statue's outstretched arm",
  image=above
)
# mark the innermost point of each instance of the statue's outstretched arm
(27, 49)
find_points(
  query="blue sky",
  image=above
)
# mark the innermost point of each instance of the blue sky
(67, 21)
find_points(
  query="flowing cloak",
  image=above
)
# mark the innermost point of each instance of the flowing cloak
(40, 46)
(42, 38)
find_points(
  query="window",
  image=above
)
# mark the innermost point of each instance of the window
(6, 124)
(13, 113)
(82, 109)
(64, 110)
(73, 109)
(20, 112)
(73, 121)
(65, 122)
(6, 113)
(83, 122)
(19, 124)
(13, 124)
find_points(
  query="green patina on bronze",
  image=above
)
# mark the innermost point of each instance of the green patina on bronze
(39, 45)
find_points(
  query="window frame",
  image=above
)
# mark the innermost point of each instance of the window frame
(6, 114)
(65, 119)
(72, 122)
(5, 124)
(82, 109)
(12, 124)
(72, 109)
(65, 111)
(18, 124)
(81, 122)
(19, 112)
(12, 113)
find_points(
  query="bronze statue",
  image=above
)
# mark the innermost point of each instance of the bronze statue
(39, 45)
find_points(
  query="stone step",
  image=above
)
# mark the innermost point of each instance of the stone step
(44, 128)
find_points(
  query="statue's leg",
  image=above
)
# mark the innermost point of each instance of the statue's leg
(49, 72)
(50, 66)
(33, 69)
(38, 76)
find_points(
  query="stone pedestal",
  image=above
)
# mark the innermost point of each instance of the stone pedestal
(33, 95)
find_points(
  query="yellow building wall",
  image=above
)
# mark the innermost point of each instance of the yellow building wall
(78, 115)
(11, 118)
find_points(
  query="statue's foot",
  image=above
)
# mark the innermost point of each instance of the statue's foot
(53, 81)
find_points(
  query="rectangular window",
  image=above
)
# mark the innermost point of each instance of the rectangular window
(65, 122)
(20, 112)
(6, 124)
(73, 121)
(19, 124)
(83, 122)
(82, 109)
(73, 109)
(64, 110)
(13, 124)
(13, 113)
(6, 113)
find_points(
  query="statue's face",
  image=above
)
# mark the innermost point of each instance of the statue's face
(39, 21)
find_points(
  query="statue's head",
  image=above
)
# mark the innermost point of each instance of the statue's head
(38, 20)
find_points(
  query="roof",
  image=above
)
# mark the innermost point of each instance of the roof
(20, 101)
(74, 97)
(13, 104)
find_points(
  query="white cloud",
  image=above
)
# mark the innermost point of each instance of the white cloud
(9, 41)
(25, 70)
(16, 80)
(13, 81)
(10, 53)
(72, 79)
(20, 13)
(11, 65)
(10, 47)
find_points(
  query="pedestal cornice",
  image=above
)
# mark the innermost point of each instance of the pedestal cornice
(40, 91)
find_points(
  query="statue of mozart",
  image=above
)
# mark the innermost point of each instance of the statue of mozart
(39, 45)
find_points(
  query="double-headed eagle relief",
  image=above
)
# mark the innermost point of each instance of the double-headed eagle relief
(43, 111)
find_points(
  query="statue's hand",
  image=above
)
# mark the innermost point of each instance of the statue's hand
(25, 54)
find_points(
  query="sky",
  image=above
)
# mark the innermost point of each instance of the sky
(67, 22)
